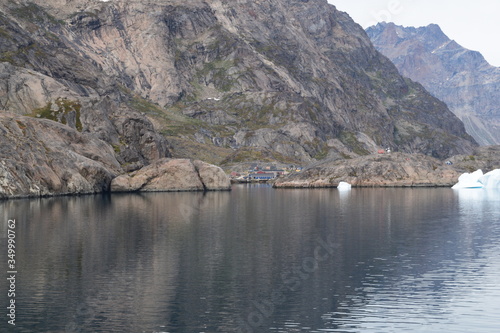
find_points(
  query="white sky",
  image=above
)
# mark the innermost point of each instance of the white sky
(474, 24)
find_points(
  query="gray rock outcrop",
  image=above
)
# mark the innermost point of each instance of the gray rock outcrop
(483, 158)
(168, 175)
(384, 170)
(42, 157)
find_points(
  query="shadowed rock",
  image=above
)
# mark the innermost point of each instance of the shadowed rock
(42, 157)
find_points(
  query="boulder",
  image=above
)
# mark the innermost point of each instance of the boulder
(212, 177)
(167, 175)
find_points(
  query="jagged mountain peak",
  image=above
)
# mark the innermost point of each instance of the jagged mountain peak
(430, 37)
(460, 77)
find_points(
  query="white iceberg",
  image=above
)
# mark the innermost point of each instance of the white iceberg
(479, 180)
(469, 180)
(344, 186)
(491, 179)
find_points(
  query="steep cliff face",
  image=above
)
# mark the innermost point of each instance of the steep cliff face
(295, 77)
(65, 126)
(461, 78)
(43, 76)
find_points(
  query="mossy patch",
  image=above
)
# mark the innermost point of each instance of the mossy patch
(345, 156)
(33, 13)
(8, 56)
(322, 154)
(318, 148)
(172, 121)
(247, 154)
(19, 57)
(254, 114)
(350, 140)
(61, 112)
(4, 33)
(218, 71)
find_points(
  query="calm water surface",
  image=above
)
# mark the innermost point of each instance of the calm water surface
(257, 260)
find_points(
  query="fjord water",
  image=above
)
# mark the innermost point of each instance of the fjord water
(258, 260)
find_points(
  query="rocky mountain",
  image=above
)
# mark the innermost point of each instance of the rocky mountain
(461, 78)
(120, 84)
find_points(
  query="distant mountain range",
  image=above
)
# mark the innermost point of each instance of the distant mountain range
(461, 78)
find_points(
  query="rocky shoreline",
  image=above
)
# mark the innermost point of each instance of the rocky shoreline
(393, 170)
(165, 175)
(74, 173)
(42, 158)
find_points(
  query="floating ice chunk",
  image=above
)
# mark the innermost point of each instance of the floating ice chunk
(491, 179)
(469, 180)
(479, 180)
(344, 186)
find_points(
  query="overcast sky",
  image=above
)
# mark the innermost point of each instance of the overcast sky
(474, 24)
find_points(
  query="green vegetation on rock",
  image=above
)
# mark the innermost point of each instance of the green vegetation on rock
(171, 119)
(350, 140)
(61, 112)
(248, 154)
(33, 13)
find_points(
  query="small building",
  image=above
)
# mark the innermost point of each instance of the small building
(262, 176)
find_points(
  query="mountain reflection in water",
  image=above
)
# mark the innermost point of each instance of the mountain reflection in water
(412, 260)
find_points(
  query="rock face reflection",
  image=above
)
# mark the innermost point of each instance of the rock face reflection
(259, 260)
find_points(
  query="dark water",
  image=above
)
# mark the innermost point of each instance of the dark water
(257, 260)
